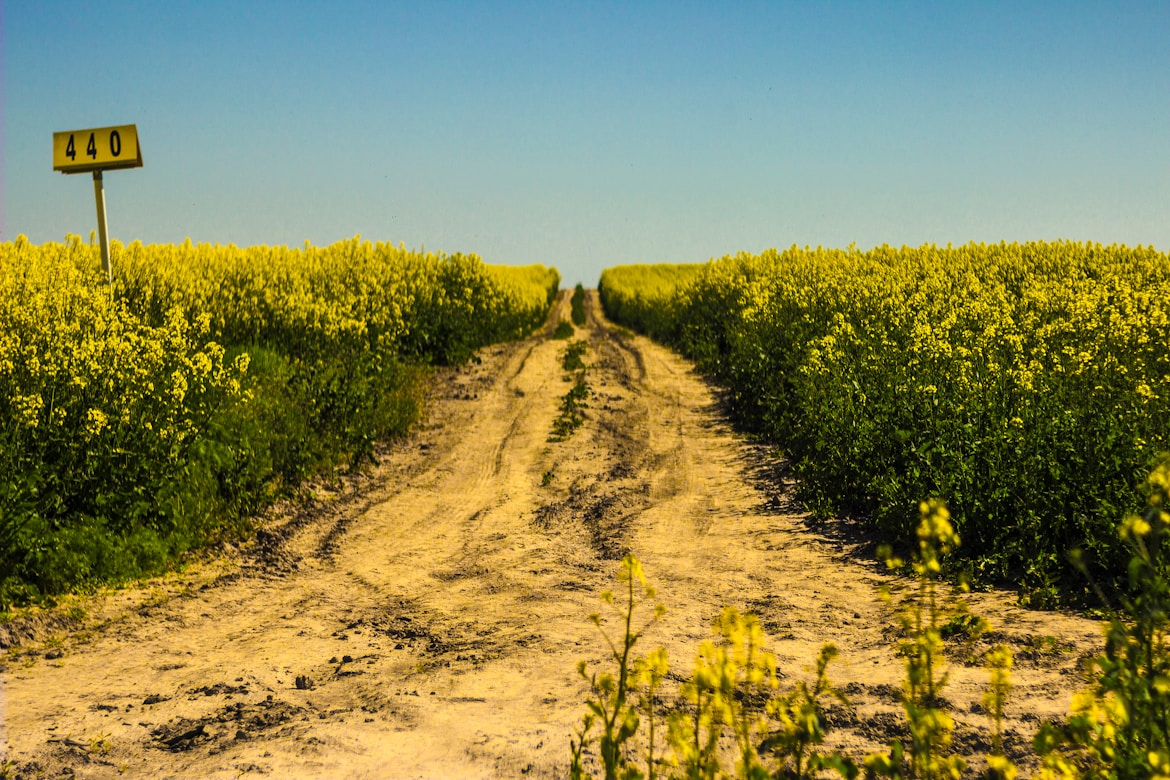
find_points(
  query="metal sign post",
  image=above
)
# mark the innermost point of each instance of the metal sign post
(97, 150)
(99, 195)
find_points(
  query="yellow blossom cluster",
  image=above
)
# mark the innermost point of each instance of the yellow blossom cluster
(1028, 384)
(137, 417)
(350, 295)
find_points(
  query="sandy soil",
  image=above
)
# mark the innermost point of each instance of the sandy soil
(425, 621)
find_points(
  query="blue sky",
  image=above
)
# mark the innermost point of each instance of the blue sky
(589, 134)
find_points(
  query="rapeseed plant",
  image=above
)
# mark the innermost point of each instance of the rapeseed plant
(731, 691)
(1028, 383)
(140, 420)
(618, 698)
(999, 664)
(728, 674)
(1121, 728)
(930, 726)
(799, 715)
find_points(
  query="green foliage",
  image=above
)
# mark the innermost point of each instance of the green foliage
(801, 726)
(728, 673)
(571, 359)
(1121, 729)
(577, 306)
(642, 297)
(1118, 730)
(618, 698)
(931, 727)
(572, 411)
(564, 330)
(573, 404)
(1028, 384)
(140, 421)
(730, 691)
(731, 676)
(101, 415)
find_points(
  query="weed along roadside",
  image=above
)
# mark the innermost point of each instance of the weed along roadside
(577, 303)
(731, 718)
(572, 411)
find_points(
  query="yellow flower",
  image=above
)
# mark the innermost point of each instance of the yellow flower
(95, 423)
(28, 409)
(1134, 527)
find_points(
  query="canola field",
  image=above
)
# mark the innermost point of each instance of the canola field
(142, 420)
(1028, 385)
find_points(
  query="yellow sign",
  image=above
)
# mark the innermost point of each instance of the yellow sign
(99, 149)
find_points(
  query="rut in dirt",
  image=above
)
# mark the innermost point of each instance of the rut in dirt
(426, 619)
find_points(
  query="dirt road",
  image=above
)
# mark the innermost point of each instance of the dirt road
(425, 622)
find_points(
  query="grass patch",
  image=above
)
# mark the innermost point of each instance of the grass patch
(572, 414)
(573, 403)
(578, 306)
(571, 360)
